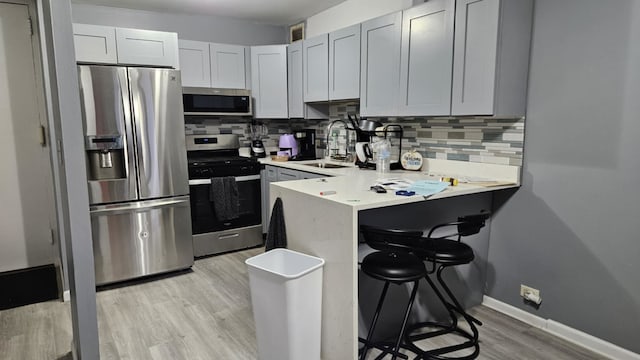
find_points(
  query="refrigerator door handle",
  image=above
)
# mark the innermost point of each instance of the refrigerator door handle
(140, 206)
(129, 147)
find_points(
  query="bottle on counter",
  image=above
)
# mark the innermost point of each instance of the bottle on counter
(383, 157)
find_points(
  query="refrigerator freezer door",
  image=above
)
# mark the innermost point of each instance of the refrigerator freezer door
(104, 96)
(141, 238)
(156, 99)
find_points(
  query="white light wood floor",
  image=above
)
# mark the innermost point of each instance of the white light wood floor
(206, 314)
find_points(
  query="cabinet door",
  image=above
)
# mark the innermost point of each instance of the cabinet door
(271, 173)
(288, 174)
(344, 63)
(194, 61)
(427, 55)
(315, 68)
(227, 66)
(380, 65)
(294, 66)
(269, 81)
(95, 44)
(309, 175)
(474, 57)
(146, 47)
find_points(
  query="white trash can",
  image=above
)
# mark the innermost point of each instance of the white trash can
(286, 294)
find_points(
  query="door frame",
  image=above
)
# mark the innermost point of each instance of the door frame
(58, 253)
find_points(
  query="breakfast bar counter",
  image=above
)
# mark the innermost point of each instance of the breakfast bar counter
(327, 226)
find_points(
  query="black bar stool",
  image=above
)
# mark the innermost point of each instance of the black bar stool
(443, 252)
(392, 263)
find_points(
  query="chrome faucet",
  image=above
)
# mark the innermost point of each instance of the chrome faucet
(347, 156)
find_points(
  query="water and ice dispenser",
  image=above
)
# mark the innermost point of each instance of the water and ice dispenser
(105, 157)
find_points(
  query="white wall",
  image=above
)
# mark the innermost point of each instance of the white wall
(191, 27)
(27, 211)
(351, 12)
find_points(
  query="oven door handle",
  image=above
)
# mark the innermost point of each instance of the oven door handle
(238, 179)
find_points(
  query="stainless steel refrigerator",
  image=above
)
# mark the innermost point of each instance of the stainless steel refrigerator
(136, 170)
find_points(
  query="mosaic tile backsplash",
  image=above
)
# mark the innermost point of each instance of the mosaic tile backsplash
(475, 139)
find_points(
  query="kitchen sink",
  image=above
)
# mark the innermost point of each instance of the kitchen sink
(327, 166)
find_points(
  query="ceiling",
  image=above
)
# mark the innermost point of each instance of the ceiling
(274, 12)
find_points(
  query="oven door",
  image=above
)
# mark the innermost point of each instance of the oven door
(203, 217)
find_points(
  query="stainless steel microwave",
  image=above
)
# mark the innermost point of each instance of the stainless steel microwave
(216, 102)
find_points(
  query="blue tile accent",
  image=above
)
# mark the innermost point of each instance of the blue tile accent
(459, 157)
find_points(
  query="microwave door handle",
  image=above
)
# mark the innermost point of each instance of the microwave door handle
(238, 179)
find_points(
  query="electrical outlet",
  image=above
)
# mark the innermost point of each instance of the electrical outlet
(524, 289)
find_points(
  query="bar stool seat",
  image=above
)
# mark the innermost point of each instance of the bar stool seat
(396, 267)
(393, 264)
(445, 251)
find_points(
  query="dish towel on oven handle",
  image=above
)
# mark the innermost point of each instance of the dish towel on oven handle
(277, 233)
(223, 193)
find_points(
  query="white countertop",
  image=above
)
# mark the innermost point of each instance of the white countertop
(328, 226)
(352, 185)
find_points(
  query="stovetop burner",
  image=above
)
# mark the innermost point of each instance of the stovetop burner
(218, 155)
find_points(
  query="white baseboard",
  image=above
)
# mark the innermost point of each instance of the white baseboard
(570, 334)
(66, 295)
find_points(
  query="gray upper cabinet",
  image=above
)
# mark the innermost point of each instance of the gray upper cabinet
(315, 68)
(227, 66)
(147, 47)
(297, 107)
(344, 63)
(111, 45)
(427, 56)
(194, 60)
(269, 81)
(380, 65)
(207, 64)
(491, 57)
(95, 44)
(294, 66)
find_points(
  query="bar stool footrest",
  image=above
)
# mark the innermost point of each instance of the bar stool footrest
(440, 330)
(387, 348)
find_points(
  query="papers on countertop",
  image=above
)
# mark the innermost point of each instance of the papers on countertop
(434, 184)
(474, 180)
(420, 187)
(428, 187)
(394, 183)
(483, 181)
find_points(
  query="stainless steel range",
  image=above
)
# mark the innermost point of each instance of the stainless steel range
(225, 195)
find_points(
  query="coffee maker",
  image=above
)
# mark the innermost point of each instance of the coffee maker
(306, 139)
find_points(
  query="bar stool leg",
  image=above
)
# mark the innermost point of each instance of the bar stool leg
(453, 308)
(375, 320)
(458, 307)
(406, 318)
(396, 349)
